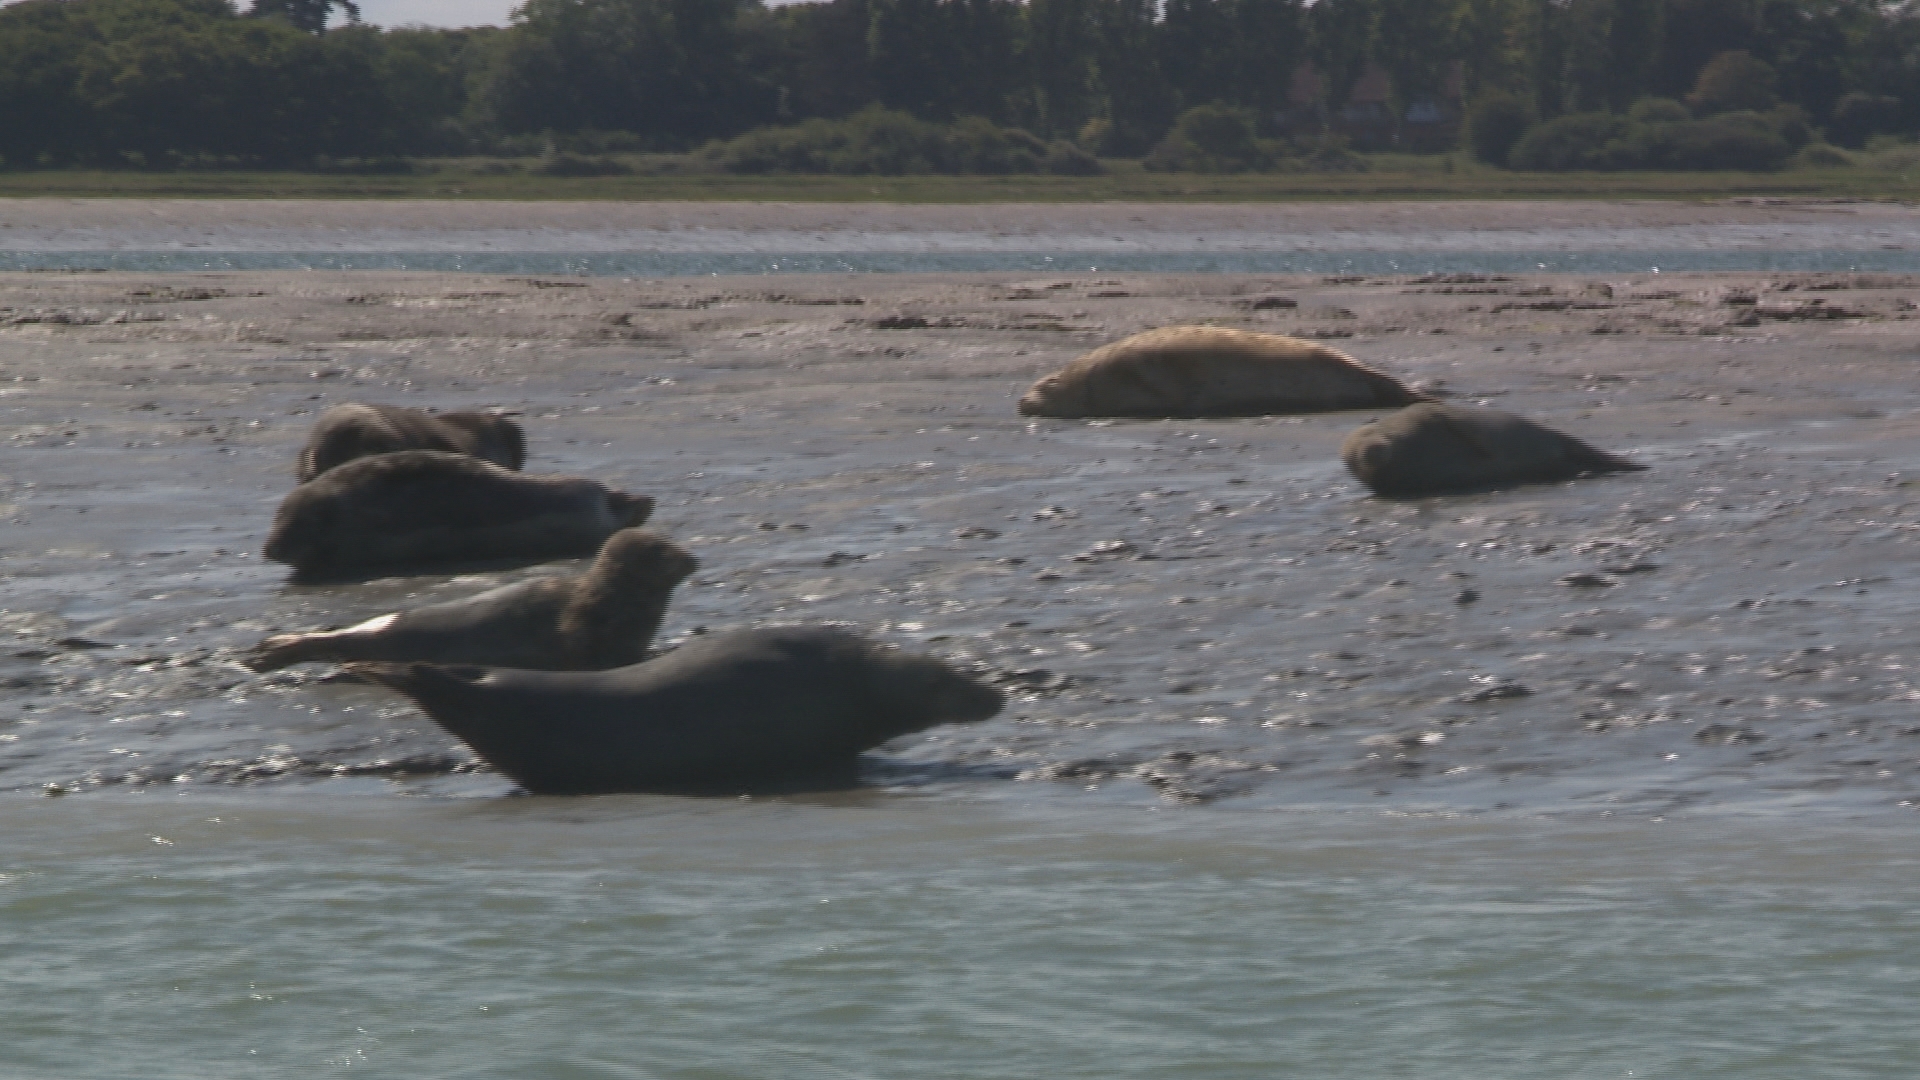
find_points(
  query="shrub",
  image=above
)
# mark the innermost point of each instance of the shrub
(1096, 136)
(1657, 110)
(1065, 159)
(879, 142)
(975, 145)
(1495, 122)
(1575, 141)
(1332, 155)
(1211, 138)
(1790, 121)
(1860, 116)
(1730, 141)
(1822, 156)
(561, 163)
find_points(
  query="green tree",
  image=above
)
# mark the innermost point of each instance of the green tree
(307, 15)
(1061, 45)
(1132, 104)
(41, 113)
(668, 69)
(1268, 40)
(1416, 42)
(1492, 44)
(1342, 33)
(1633, 39)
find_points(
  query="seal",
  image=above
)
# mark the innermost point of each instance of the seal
(424, 506)
(1195, 371)
(605, 617)
(736, 711)
(1433, 449)
(353, 430)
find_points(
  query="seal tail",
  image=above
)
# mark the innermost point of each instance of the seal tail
(283, 650)
(1387, 389)
(1591, 459)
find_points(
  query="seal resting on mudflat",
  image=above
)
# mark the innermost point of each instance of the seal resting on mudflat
(1431, 449)
(422, 506)
(1184, 371)
(350, 431)
(603, 618)
(733, 711)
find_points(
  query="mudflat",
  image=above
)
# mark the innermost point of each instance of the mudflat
(1182, 610)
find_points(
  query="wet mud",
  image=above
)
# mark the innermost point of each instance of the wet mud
(1183, 611)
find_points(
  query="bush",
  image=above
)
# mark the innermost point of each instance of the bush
(1576, 141)
(1065, 159)
(1211, 139)
(879, 142)
(1822, 156)
(976, 146)
(1742, 141)
(1734, 140)
(1860, 116)
(1657, 110)
(1792, 123)
(1332, 155)
(561, 163)
(1495, 122)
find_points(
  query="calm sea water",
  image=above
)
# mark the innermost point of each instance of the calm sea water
(160, 936)
(701, 263)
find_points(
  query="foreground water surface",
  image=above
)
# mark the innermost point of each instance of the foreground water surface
(164, 935)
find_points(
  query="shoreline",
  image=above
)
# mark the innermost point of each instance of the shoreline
(57, 224)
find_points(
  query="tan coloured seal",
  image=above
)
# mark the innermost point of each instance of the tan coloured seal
(1433, 449)
(350, 431)
(425, 506)
(603, 618)
(1191, 371)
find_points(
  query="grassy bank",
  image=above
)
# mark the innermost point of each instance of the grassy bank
(660, 178)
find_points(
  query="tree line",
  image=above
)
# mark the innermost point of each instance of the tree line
(167, 82)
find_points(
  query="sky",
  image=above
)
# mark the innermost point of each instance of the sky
(436, 12)
(430, 12)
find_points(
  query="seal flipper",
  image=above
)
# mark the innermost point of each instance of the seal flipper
(1592, 459)
(439, 689)
(527, 736)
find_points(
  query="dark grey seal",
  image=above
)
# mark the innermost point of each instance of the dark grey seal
(603, 618)
(733, 711)
(1432, 449)
(424, 506)
(350, 431)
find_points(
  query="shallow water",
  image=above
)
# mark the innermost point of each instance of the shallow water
(165, 936)
(702, 263)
